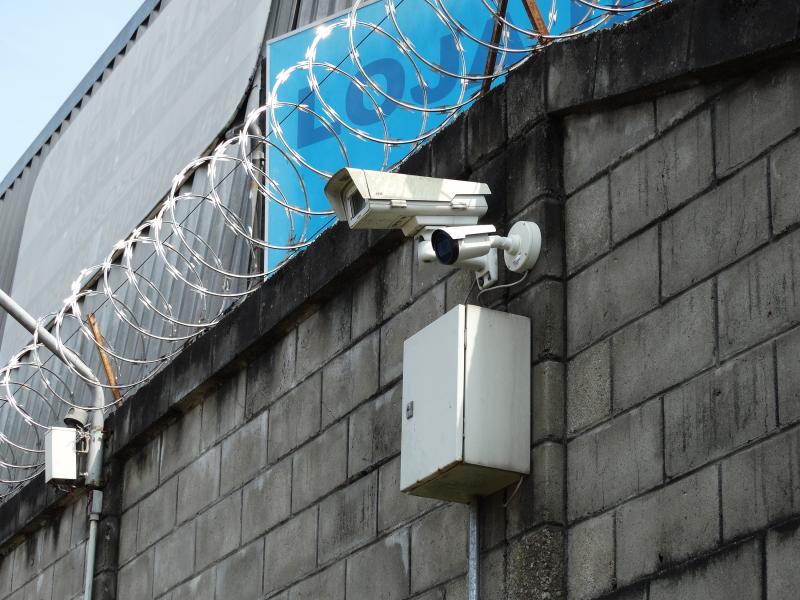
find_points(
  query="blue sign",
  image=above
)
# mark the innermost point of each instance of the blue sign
(341, 117)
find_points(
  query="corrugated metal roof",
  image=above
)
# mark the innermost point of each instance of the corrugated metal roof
(83, 89)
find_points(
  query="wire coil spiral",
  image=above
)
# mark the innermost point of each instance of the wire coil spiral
(178, 273)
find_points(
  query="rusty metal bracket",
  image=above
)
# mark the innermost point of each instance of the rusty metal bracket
(536, 19)
(101, 349)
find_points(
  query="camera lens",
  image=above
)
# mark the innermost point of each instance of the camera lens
(445, 247)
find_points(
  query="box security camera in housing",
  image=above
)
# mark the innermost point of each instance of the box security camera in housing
(466, 405)
(378, 200)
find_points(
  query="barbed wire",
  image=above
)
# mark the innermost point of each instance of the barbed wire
(177, 274)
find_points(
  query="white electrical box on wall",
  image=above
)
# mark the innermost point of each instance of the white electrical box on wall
(60, 455)
(466, 405)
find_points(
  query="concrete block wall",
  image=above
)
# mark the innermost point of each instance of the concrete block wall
(682, 228)
(264, 461)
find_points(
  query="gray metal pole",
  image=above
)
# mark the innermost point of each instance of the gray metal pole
(473, 552)
(94, 459)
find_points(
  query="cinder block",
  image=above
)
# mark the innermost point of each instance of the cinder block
(244, 453)
(673, 107)
(199, 588)
(396, 284)
(662, 176)
(323, 334)
(543, 304)
(535, 565)
(486, 126)
(493, 574)
(667, 526)
(395, 507)
(449, 150)
(180, 442)
(224, 409)
(219, 530)
(525, 96)
(715, 230)
(329, 584)
(25, 562)
(366, 302)
(663, 348)
(381, 570)
(157, 514)
(755, 115)
(590, 558)
(54, 541)
(619, 459)
(241, 574)
(41, 586)
(746, 317)
(294, 418)
(785, 184)
(270, 375)
(174, 558)
(733, 574)
(80, 524)
(437, 557)
(761, 485)
(588, 224)
(375, 431)
(141, 473)
(348, 518)
(593, 141)
(67, 575)
(423, 312)
(719, 411)
(6, 571)
(198, 484)
(534, 166)
(540, 498)
(319, 466)
(783, 556)
(614, 290)
(589, 387)
(266, 501)
(290, 551)
(788, 350)
(136, 578)
(350, 378)
(547, 401)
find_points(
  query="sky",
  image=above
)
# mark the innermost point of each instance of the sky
(46, 48)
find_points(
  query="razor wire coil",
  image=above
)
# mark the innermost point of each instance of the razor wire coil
(139, 292)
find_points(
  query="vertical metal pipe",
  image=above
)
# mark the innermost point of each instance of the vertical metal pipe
(95, 504)
(473, 552)
(94, 461)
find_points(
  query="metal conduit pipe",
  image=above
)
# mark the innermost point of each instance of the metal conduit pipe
(473, 552)
(94, 459)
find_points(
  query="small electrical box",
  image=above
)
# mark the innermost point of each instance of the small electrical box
(60, 455)
(466, 405)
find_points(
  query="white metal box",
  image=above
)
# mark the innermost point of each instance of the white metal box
(466, 405)
(60, 455)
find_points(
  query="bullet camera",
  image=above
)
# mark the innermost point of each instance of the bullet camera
(378, 200)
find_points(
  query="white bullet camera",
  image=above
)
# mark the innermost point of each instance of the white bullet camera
(378, 200)
(442, 213)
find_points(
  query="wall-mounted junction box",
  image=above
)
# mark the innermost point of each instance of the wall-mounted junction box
(466, 405)
(60, 455)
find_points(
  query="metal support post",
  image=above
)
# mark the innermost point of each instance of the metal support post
(94, 460)
(473, 552)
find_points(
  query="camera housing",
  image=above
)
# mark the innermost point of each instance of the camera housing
(380, 200)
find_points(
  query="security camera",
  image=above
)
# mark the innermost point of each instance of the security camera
(76, 418)
(476, 247)
(378, 200)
